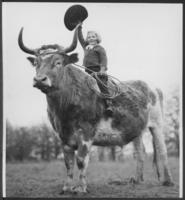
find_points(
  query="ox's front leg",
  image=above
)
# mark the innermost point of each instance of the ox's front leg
(69, 156)
(82, 158)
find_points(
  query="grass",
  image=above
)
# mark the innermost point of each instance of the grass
(45, 179)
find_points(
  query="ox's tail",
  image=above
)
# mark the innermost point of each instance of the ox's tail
(153, 131)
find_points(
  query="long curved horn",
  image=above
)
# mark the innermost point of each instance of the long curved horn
(22, 46)
(73, 44)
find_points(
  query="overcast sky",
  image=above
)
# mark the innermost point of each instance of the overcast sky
(143, 41)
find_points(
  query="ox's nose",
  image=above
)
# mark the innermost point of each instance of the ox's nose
(41, 80)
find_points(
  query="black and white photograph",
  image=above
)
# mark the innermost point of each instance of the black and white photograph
(92, 100)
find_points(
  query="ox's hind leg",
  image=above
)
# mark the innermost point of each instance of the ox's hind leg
(160, 154)
(139, 155)
(69, 156)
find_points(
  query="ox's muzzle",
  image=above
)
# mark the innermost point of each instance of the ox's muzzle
(42, 82)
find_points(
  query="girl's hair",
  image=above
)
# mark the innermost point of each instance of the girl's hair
(97, 35)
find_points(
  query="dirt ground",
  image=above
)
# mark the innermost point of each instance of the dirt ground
(105, 179)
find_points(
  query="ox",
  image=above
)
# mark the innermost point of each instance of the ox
(76, 113)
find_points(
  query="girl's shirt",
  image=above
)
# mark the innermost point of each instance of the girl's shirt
(93, 55)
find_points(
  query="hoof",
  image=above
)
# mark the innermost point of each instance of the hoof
(168, 183)
(79, 190)
(66, 189)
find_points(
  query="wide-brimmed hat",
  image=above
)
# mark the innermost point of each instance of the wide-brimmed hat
(74, 15)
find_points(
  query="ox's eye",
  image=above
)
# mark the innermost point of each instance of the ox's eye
(58, 64)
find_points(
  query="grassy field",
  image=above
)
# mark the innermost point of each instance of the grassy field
(45, 179)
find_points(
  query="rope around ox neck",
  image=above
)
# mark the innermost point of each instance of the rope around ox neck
(116, 90)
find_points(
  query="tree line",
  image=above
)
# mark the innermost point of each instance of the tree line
(36, 142)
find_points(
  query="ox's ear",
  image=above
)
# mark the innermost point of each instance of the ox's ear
(32, 60)
(72, 58)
